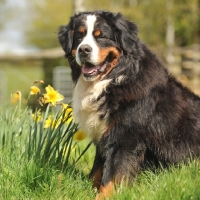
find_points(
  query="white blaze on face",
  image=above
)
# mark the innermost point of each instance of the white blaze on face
(89, 40)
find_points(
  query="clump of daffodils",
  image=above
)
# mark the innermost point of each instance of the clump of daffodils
(48, 135)
(52, 97)
(66, 117)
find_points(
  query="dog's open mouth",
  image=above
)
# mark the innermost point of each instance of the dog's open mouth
(92, 71)
(89, 69)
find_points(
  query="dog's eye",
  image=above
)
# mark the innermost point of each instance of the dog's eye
(97, 33)
(101, 37)
(79, 37)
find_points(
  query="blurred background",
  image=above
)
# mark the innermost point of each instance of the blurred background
(29, 49)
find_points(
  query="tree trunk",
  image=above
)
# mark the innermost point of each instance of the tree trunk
(78, 6)
(170, 35)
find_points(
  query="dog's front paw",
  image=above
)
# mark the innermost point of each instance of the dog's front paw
(105, 191)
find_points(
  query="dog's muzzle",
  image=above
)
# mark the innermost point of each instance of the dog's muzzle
(84, 52)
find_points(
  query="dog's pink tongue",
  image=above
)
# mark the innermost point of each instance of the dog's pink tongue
(88, 70)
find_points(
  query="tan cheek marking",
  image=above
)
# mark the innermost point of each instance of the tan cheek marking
(111, 50)
(97, 33)
(114, 52)
(74, 52)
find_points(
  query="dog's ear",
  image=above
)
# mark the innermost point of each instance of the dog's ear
(125, 31)
(65, 37)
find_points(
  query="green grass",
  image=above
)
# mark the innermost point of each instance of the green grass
(38, 162)
(180, 183)
(41, 163)
(22, 179)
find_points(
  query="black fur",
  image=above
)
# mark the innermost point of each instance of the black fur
(153, 119)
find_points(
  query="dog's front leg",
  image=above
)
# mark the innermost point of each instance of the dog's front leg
(121, 164)
(97, 170)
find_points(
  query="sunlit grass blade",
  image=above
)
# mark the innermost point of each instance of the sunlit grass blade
(83, 152)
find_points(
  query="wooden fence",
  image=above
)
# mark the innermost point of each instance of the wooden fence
(185, 65)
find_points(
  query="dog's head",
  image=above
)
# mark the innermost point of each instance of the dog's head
(94, 42)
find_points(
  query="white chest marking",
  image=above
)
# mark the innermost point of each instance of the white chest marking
(85, 108)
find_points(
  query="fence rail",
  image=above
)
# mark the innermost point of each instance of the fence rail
(186, 66)
(38, 55)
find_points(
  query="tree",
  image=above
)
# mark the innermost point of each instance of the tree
(186, 21)
(46, 17)
(152, 18)
(78, 6)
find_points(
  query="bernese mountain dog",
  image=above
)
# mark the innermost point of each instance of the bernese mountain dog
(136, 113)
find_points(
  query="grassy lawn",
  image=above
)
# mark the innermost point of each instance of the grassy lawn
(21, 179)
(25, 180)
(35, 165)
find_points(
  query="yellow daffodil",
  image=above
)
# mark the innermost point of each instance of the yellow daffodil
(37, 116)
(48, 122)
(67, 111)
(56, 123)
(52, 122)
(16, 97)
(79, 135)
(34, 90)
(66, 108)
(69, 120)
(52, 96)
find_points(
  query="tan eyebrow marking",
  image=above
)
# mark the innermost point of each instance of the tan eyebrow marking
(97, 33)
(82, 30)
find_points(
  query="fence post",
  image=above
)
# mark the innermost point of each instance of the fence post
(62, 82)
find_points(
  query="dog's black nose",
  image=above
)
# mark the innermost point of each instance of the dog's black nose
(85, 50)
